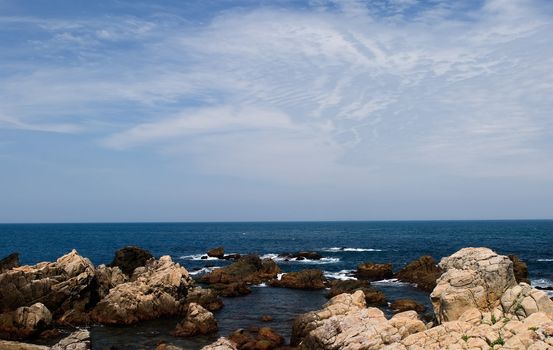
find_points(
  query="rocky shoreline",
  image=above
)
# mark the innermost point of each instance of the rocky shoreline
(480, 300)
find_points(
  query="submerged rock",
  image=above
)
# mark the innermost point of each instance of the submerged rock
(197, 321)
(129, 258)
(402, 305)
(9, 262)
(372, 296)
(155, 290)
(473, 277)
(307, 279)
(423, 272)
(374, 272)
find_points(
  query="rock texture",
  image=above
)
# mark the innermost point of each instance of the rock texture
(402, 305)
(62, 286)
(129, 258)
(473, 277)
(345, 323)
(78, 340)
(307, 279)
(197, 321)
(9, 262)
(374, 272)
(155, 290)
(207, 298)
(218, 252)
(520, 269)
(372, 296)
(221, 344)
(108, 278)
(423, 272)
(248, 269)
(24, 321)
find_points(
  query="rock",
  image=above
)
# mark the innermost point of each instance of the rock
(9, 262)
(402, 305)
(424, 272)
(108, 278)
(372, 296)
(197, 321)
(266, 318)
(263, 338)
(13, 345)
(78, 340)
(345, 323)
(165, 346)
(473, 277)
(24, 321)
(129, 258)
(374, 272)
(221, 344)
(520, 269)
(61, 286)
(339, 305)
(248, 269)
(232, 257)
(155, 290)
(218, 252)
(307, 279)
(207, 298)
(521, 301)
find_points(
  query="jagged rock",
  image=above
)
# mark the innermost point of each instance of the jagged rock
(263, 338)
(473, 277)
(301, 256)
(165, 346)
(108, 278)
(207, 298)
(402, 305)
(9, 262)
(78, 340)
(248, 269)
(61, 286)
(218, 252)
(24, 321)
(197, 321)
(307, 279)
(345, 323)
(372, 296)
(424, 272)
(155, 290)
(14, 345)
(520, 269)
(129, 258)
(522, 301)
(374, 272)
(221, 344)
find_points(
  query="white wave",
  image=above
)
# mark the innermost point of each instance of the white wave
(390, 282)
(542, 282)
(197, 257)
(344, 249)
(261, 285)
(279, 276)
(343, 275)
(548, 260)
(203, 270)
(275, 257)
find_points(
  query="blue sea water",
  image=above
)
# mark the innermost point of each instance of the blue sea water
(343, 245)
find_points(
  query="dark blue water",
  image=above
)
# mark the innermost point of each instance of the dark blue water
(394, 242)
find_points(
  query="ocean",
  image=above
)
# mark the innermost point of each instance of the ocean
(342, 244)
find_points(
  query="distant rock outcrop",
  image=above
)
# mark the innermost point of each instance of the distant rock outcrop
(374, 272)
(423, 272)
(9, 262)
(372, 296)
(129, 258)
(248, 269)
(309, 279)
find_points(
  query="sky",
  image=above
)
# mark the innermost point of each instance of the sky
(129, 110)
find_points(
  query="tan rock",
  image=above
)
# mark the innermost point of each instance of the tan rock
(24, 321)
(221, 344)
(197, 321)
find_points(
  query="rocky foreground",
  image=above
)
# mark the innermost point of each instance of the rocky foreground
(480, 301)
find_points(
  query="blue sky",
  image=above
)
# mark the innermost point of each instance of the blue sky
(275, 110)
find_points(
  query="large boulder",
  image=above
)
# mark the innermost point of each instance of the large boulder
(345, 323)
(372, 296)
(207, 298)
(248, 269)
(218, 252)
(423, 272)
(108, 278)
(473, 277)
(520, 269)
(374, 272)
(129, 258)
(263, 338)
(197, 321)
(307, 279)
(9, 262)
(78, 340)
(221, 344)
(25, 321)
(155, 290)
(62, 286)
